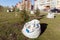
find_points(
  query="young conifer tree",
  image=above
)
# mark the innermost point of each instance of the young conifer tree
(37, 13)
(25, 15)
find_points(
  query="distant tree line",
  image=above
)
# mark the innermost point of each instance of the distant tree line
(1, 8)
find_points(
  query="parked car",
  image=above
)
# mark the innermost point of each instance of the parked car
(55, 10)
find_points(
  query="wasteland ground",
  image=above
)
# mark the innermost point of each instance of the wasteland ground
(10, 27)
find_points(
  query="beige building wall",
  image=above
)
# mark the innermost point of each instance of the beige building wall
(26, 4)
(19, 5)
(49, 3)
(58, 4)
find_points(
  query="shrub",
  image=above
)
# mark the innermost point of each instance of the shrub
(37, 13)
(24, 15)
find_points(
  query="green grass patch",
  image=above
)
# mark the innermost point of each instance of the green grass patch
(10, 27)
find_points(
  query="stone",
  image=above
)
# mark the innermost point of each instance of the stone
(32, 12)
(11, 10)
(7, 10)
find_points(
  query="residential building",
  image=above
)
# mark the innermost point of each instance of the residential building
(25, 4)
(40, 4)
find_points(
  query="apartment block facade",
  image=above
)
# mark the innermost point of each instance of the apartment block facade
(25, 4)
(41, 4)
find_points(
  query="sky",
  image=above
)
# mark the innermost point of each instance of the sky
(11, 2)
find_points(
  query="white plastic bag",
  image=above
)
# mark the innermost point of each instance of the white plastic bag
(32, 12)
(32, 29)
(50, 15)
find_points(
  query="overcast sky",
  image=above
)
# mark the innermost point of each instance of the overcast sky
(11, 2)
